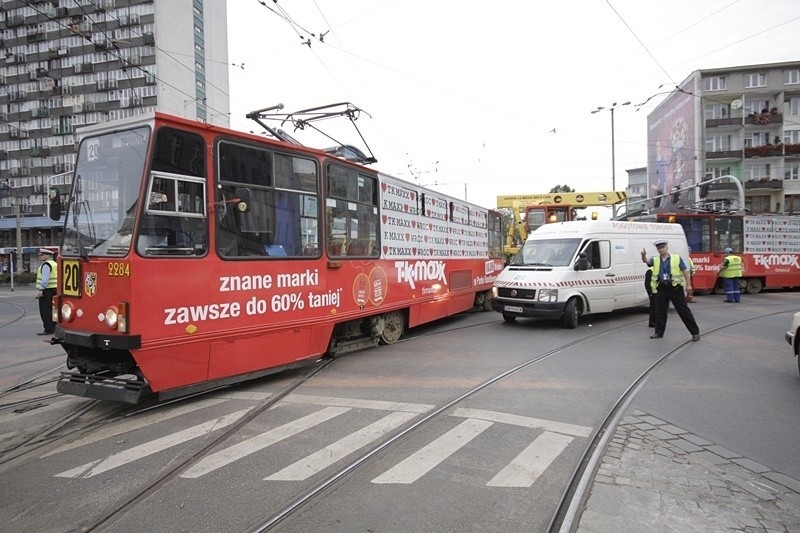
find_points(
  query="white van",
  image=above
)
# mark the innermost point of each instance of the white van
(570, 269)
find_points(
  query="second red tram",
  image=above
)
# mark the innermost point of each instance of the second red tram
(769, 246)
(195, 256)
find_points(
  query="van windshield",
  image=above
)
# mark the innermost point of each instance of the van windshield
(549, 252)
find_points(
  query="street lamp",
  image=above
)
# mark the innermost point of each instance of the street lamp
(611, 108)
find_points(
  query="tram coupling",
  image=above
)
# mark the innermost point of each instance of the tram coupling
(125, 389)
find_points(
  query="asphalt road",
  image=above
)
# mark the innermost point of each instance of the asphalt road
(497, 460)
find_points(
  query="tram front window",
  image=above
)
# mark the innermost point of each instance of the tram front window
(105, 191)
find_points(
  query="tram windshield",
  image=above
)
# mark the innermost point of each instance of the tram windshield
(550, 252)
(105, 191)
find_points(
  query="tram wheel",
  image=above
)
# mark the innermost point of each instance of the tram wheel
(487, 301)
(753, 285)
(394, 327)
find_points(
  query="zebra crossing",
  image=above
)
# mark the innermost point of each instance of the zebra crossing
(548, 439)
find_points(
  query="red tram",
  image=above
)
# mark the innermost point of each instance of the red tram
(769, 246)
(194, 256)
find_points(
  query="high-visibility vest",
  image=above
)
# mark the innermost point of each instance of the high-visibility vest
(734, 268)
(52, 282)
(675, 271)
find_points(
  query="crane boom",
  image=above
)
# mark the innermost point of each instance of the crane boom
(575, 199)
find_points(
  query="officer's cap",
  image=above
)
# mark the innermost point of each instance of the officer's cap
(728, 250)
(45, 251)
(659, 242)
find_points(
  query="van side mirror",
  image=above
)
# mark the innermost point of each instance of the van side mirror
(582, 262)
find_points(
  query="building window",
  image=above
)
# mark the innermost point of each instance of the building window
(715, 83)
(752, 107)
(792, 204)
(755, 80)
(791, 137)
(757, 204)
(718, 143)
(717, 172)
(791, 171)
(791, 77)
(794, 106)
(756, 139)
(718, 111)
(756, 172)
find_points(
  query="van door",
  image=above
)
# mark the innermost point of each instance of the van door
(628, 284)
(599, 281)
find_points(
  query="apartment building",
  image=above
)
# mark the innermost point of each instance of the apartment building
(69, 63)
(739, 121)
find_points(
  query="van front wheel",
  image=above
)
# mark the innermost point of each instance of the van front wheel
(570, 318)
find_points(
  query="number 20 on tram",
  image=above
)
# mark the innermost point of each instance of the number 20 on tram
(195, 256)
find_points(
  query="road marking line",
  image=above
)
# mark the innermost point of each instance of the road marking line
(421, 462)
(259, 442)
(133, 424)
(524, 421)
(325, 457)
(137, 452)
(526, 467)
(233, 395)
(359, 404)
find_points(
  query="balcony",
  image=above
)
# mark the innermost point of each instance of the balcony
(791, 150)
(763, 183)
(40, 151)
(719, 122)
(767, 150)
(724, 154)
(767, 118)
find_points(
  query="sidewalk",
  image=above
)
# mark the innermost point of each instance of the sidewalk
(659, 477)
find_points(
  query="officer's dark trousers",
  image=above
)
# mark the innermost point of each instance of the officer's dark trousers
(666, 293)
(46, 310)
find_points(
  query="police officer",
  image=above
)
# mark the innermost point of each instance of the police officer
(46, 283)
(670, 282)
(731, 274)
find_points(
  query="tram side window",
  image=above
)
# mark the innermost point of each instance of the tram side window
(174, 222)
(351, 209)
(698, 233)
(283, 219)
(728, 232)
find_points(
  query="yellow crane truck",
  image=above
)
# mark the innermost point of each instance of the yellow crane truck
(529, 211)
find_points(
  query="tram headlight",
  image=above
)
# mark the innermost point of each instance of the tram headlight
(494, 292)
(116, 317)
(67, 311)
(111, 317)
(547, 295)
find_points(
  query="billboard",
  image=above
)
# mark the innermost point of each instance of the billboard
(671, 147)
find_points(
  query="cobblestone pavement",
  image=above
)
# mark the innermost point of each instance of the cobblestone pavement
(655, 476)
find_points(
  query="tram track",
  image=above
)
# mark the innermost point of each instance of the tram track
(575, 493)
(22, 313)
(571, 497)
(109, 516)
